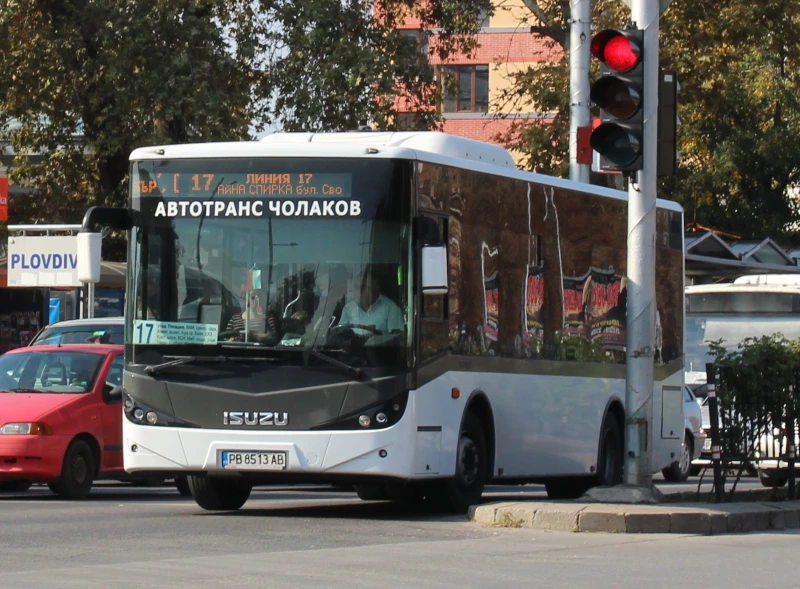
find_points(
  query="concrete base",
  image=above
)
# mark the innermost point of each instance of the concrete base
(628, 494)
(680, 518)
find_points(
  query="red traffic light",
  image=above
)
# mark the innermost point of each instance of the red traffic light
(618, 51)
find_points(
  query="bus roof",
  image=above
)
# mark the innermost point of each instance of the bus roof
(425, 146)
(731, 287)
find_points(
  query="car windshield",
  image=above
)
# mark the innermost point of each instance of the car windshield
(96, 333)
(49, 372)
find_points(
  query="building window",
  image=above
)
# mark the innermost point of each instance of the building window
(464, 88)
(418, 38)
(483, 14)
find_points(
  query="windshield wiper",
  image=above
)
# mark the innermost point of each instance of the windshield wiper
(23, 390)
(325, 358)
(179, 360)
(352, 370)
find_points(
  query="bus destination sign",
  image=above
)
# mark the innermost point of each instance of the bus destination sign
(308, 185)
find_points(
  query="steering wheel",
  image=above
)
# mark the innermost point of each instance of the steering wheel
(229, 333)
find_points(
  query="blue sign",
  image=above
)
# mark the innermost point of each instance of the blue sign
(55, 310)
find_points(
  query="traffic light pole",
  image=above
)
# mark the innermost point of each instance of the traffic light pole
(641, 267)
(579, 116)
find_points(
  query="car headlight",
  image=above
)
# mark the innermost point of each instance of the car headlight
(35, 428)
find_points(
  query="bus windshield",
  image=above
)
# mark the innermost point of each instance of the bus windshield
(272, 254)
(732, 329)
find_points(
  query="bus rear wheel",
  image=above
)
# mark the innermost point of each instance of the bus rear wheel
(215, 494)
(466, 487)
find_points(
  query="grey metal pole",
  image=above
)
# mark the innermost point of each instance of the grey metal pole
(641, 268)
(579, 41)
(90, 301)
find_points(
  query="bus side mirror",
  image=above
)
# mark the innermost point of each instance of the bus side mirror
(434, 257)
(88, 267)
(434, 270)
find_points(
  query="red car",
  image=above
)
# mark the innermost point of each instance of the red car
(60, 417)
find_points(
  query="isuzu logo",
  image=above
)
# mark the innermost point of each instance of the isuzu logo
(254, 418)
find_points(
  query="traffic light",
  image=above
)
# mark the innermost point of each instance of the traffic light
(619, 93)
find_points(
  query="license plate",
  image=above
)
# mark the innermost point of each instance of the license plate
(707, 444)
(254, 460)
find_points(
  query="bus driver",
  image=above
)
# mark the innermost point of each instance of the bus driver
(374, 311)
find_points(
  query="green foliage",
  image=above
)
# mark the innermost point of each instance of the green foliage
(739, 137)
(755, 389)
(88, 81)
(545, 86)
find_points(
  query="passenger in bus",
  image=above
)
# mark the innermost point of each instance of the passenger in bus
(261, 325)
(373, 312)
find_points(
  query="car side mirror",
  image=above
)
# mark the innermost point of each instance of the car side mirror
(112, 394)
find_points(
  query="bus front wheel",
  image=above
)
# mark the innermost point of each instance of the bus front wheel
(215, 494)
(466, 487)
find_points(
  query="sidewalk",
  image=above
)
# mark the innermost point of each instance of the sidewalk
(664, 518)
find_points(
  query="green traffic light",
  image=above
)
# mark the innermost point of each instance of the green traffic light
(616, 144)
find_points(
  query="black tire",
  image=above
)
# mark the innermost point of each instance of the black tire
(77, 472)
(680, 470)
(371, 492)
(182, 484)
(466, 487)
(773, 478)
(215, 494)
(610, 454)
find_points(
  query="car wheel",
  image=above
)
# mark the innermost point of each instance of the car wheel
(773, 478)
(466, 487)
(77, 472)
(215, 494)
(182, 484)
(680, 470)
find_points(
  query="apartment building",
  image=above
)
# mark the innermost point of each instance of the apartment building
(474, 107)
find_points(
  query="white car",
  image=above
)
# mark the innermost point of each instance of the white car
(693, 439)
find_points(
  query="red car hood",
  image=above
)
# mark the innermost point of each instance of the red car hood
(24, 407)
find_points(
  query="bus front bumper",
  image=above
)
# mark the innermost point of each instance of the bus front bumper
(377, 452)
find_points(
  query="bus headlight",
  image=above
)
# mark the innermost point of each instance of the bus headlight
(141, 414)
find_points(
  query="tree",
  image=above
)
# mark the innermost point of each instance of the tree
(338, 65)
(545, 87)
(738, 139)
(87, 81)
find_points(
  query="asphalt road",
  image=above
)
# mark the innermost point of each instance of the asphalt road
(124, 537)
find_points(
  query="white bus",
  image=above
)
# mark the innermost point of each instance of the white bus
(486, 343)
(750, 306)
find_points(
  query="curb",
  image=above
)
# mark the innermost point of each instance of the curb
(666, 518)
